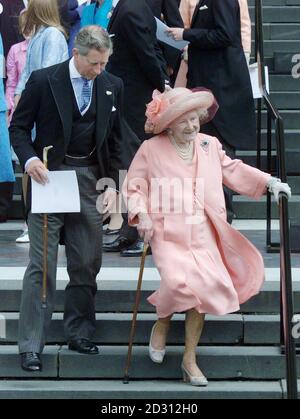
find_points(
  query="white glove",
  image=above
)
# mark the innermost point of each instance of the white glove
(275, 186)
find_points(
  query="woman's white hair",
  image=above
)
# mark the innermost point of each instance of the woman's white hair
(203, 115)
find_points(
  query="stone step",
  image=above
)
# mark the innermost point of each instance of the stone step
(278, 14)
(217, 363)
(265, 363)
(114, 329)
(118, 295)
(292, 161)
(136, 390)
(286, 100)
(284, 31)
(291, 119)
(280, 31)
(281, 83)
(277, 46)
(291, 138)
(10, 363)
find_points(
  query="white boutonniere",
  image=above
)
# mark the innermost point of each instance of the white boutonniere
(109, 93)
(204, 8)
(205, 145)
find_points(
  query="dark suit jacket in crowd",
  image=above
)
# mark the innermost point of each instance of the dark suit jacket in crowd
(172, 17)
(217, 62)
(168, 8)
(47, 101)
(137, 59)
(9, 23)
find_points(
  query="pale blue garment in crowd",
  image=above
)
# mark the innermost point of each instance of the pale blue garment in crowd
(92, 15)
(6, 168)
(46, 48)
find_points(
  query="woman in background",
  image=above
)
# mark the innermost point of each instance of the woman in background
(48, 45)
(97, 13)
(15, 65)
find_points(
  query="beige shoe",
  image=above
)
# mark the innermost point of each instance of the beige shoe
(194, 381)
(157, 356)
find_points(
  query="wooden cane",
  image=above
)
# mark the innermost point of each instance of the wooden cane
(135, 312)
(45, 238)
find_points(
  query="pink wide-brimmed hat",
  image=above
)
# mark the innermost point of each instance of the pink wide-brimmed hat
(166, 107)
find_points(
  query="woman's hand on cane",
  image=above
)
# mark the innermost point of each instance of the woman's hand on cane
(145, 227)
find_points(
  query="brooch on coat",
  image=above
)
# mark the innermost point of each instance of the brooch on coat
(205, 145)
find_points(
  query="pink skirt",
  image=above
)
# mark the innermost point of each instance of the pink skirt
(193, 278)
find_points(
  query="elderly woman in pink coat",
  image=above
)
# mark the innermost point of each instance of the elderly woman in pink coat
(174, 195)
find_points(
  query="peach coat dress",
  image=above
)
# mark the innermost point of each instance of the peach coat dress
(206, 265)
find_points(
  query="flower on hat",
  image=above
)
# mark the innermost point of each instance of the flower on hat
(158, 105)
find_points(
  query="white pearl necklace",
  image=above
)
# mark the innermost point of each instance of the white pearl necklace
(184, 153)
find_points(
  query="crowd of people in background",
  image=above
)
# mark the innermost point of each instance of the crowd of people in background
(40, 33)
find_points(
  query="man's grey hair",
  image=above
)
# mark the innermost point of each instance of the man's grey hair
(93, 37)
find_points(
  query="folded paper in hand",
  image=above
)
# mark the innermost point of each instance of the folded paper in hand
(59, 196)
(163, 36)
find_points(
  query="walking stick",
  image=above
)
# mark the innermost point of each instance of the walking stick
(45, 237)
(135, 312)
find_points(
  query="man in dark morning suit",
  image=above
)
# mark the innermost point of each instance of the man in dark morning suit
(217, 62)
(137, 59)
(169, 10)
(76, 107)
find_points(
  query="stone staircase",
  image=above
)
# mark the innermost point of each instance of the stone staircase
(239, 353)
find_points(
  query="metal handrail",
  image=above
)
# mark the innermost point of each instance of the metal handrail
(286, 286)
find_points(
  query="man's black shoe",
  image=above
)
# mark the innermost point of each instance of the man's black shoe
(135, 250)
(31, 362)
(84, 346)
(117, 245)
